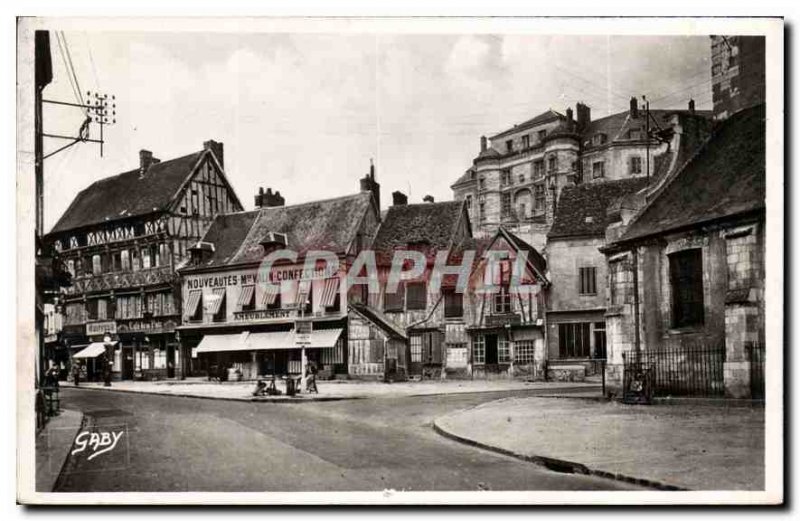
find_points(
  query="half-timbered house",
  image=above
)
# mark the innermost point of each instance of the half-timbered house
(122, 239)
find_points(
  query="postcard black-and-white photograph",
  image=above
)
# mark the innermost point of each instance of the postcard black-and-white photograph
(387, 261)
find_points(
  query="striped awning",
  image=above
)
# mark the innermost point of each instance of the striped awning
(93, 350)
(216, 301)
(303, 289)
(245, 297)
(329, 292)
(192, 301)
(271, 292)
(267, 341)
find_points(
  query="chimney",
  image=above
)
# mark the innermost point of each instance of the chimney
(584, 114)
(399, 198)
(269, 199)
(368, 184)
(691, 107)
(483, 143)
(634, 107)
(259, 197)
(217, 149)
(145, 160)
(428, 198)
(569, 115)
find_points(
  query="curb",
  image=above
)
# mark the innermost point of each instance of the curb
(201, 397)
(557, 464)
(298, 400)
(60, 475)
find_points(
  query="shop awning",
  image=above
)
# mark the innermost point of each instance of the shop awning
(216, 301)
(192, 301)
(323, 338)
(245, 297)
(329, 291)
(222, 343)
(93, 350)
(271, 292)
(269, 341)
(303, 289)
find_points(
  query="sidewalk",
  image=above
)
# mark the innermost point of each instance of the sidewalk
(697, 447)
(52, 447)
(330, 390)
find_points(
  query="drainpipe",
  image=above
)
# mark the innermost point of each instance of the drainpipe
(637, 339)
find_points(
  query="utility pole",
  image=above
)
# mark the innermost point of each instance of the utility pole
(99, 109)
(647, 134)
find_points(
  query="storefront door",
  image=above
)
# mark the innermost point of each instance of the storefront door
(491, 350)
(126, 371)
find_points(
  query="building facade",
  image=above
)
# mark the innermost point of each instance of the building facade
(122, 240)
(517, 178)
(738, 73)
(240, 312)
(686, 274)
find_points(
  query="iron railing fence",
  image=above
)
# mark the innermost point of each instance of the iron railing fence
(691, 370)
(756, 355)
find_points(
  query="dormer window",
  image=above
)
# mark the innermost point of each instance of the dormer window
(542, 134)
(599, 139)
(274, 241)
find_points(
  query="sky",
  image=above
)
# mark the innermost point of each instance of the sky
(304, 113)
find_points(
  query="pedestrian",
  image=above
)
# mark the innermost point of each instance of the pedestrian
(311, 377)
(107, 373)
(76, 373)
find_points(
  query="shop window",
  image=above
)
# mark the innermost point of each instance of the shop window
(636, 165)
(479, 349)
(588, 280)
(524, 351)
(503, 351)
(573, 340)
(686, 284)
(416, 296)
(598, 169)
(416, 348)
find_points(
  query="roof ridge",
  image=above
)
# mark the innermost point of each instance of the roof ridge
(315, 201)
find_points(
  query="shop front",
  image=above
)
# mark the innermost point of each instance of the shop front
(265, 352)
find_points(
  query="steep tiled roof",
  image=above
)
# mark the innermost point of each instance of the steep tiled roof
(544, 117)
(429, 224)
(534, 257)
(380, 320)
(128, 194)
(469, 176)
(327, 225)
(726, 177)
(583, 209)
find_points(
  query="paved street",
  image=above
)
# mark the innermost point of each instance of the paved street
(188, 444)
